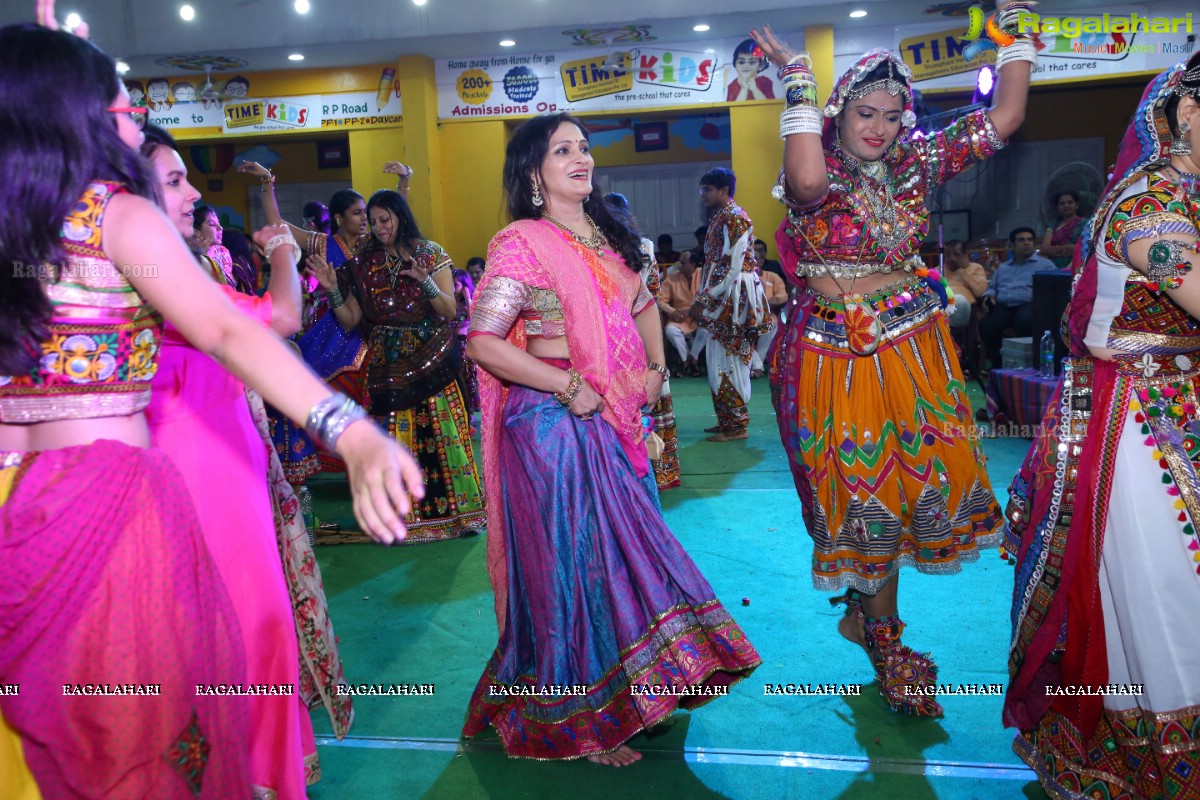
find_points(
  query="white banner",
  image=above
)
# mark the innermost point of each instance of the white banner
(697, 74)
(303, 112)
(1087, 44)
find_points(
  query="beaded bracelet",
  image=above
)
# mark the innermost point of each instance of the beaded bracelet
(575, 384)
(330, 417)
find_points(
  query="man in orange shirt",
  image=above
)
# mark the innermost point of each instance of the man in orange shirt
(967, 280)
(776, 291)
(675, 300)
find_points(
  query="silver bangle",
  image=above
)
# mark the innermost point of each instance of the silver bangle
(429, 287)
(329, 419)
(335, 298)
(800, 119)
(1020, 50)
(279, 241)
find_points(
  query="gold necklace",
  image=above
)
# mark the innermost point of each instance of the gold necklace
(596, 241)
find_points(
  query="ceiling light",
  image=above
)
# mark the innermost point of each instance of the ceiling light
(296, 57)
(302, 6)
(507, 43)
(701, 28)
(419, 2)
(73, 20)
(122, 67)
(858, 13)
(187, 13)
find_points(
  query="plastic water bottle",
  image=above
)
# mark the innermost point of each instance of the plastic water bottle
(1046, 356)
(308, 511)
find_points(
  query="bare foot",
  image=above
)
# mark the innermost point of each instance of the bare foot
(623, 756)
(854, 628)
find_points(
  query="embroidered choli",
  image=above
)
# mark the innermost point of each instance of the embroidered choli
(502, 301)
(411, 349)
(862, 225)
(1127, 315)
(104, 340)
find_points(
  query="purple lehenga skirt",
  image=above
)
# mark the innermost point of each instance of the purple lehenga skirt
(610, 626)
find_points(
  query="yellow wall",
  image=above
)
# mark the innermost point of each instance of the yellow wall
(757, 155)
(297, 164)
(369, 151)
(472, 189)
(623, 152)
(422, 149)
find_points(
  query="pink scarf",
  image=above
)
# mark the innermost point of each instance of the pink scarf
(597, 295)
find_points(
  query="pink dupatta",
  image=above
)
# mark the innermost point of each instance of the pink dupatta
(597, 295)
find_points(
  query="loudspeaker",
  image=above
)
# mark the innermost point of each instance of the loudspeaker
(1051, 292)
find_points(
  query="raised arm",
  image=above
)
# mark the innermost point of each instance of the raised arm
(270, 204)
(136, 232)
(287, 301)
(1013, 67)
(403, 174)
(803, 157)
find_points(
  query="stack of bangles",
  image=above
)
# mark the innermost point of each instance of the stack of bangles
(800, 88)
(283, 239)
(329, 419)
(335, 298)
(575, 383)
(1022, 47)
(429, 288)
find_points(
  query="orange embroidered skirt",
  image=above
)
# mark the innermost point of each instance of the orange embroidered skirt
(881, 446)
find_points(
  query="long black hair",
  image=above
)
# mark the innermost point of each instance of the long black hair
(523, 160)
(57, 137)
(318, 214)
(342, 199)
(407, 231)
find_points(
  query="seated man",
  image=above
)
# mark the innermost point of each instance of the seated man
(776, 290)
(675, 300)
(1009, 296)
(667, 254)
(967, 280)
(766, 264)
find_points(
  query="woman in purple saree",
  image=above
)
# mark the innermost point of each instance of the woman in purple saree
(606, 626)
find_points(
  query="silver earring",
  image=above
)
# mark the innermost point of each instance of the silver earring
(1180, 146)
(536, 199)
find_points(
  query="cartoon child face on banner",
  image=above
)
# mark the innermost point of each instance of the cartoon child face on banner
(158, 93)
(236, 88)
(184, 92)
(748, 84)
(137, 93)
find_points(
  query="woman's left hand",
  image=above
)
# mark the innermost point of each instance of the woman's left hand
(398, 169)
(415, 272)
(777, 52)
(46, 18)
(654, 386)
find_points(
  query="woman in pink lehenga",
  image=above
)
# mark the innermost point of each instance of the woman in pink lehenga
(105, 583)
(204, 419)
